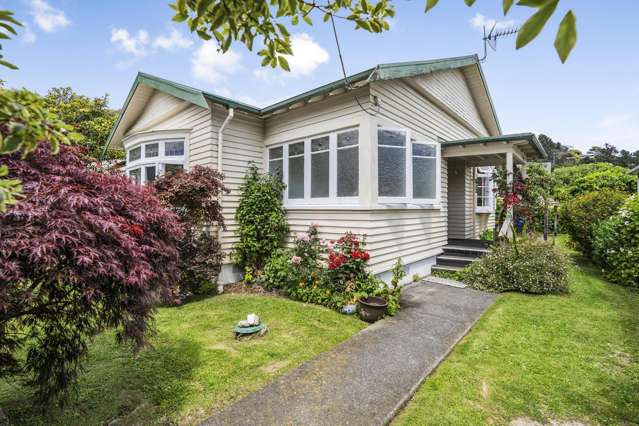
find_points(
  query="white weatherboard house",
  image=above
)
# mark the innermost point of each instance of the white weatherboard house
(401, 156)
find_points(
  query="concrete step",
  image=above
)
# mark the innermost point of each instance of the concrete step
(452, 260)
(445, 268)
(457, 250)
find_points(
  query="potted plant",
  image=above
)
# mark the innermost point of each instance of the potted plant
(371, 308)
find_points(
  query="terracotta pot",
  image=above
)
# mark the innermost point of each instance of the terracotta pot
(372, 308)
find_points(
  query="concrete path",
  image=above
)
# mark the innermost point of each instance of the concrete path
(368, 378)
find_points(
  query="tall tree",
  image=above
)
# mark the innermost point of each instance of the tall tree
(90, 117)
(558, 153)
(270, 21)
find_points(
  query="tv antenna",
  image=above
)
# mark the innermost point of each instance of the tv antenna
(491, 38)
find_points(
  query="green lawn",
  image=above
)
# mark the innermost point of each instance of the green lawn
(545, 358)
(196, 366)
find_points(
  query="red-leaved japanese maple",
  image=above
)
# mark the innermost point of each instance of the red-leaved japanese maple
(81, 252)
(194, 196)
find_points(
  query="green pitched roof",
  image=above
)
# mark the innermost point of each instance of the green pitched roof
(528, 137)
(380, 72)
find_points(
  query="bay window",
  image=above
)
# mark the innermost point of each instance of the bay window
(147, 160)
(408, 170)
(322, 169)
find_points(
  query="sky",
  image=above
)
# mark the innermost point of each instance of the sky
(98, 46)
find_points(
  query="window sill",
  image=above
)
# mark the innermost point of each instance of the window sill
(380, 206)
(480, 210)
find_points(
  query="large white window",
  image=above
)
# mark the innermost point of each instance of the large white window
(408, 170)
(485, 200)
(147, 160)
(322, 169)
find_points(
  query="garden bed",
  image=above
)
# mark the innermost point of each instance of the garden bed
(196, 366)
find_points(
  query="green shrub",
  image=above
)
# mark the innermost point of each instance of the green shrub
(487, 235)
(616, 245)
(571, 181)
(261, 219)
(581, 214)
(529, 266)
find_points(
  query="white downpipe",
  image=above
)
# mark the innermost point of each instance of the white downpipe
(220, 168)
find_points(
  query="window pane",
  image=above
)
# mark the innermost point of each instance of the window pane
(150, 173)
(174, 148)
(275, 153)
(135, 154)
(319, 174)
(391, 137)
(348, 172)
(296, 149)
(276, 168)
(319, 144)
(424, 150)
(173, 168)
(424, 177)
(136, 176)
(391, 165)
(151, 150)
(347, 138)
(296, 177)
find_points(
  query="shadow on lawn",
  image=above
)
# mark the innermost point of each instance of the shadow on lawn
(116, 385)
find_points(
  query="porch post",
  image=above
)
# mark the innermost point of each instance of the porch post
(505, 228)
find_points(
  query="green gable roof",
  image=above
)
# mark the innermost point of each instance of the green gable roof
(380, 72)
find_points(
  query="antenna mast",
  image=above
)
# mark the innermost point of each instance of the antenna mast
(491, 38)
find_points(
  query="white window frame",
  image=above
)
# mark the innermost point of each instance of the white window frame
(408, 199)
(490, 208)
(332, 199)
(158, 161)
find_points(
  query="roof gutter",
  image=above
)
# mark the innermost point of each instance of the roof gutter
(220, 165)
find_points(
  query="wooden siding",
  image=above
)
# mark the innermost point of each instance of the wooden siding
(451, 89)
(243, 144)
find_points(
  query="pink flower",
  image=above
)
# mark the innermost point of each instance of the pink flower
(330, 245)
(296, 260)
(315, 225)
(303, 236)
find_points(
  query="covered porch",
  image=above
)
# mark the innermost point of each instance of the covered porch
(470, 203)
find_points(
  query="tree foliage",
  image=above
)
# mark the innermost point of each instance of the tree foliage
(25, 122)
(580, 215)
(194, 196)
(82, 252)
(91, 118)
(572, 181)
(8, 26)
(261, 219)
(271, 21)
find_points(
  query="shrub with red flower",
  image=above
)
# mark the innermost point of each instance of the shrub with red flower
(80, 252)
(347, 259)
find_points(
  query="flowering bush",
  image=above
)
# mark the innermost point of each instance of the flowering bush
(581, 214)
(332, 274)
(194, 197)
(527, 266)
(82, 251)
(616, 244)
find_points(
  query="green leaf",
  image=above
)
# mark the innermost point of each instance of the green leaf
(533, 26)
(283, 63)
(532, 3)
(8, 65)
(507, 5)
(295, 20)
(469, 2)
(566, 36)
(307, 20)
(430, 4)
